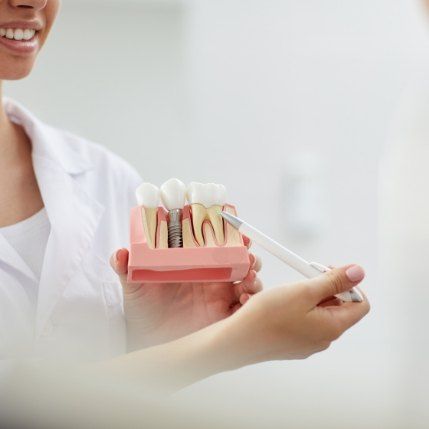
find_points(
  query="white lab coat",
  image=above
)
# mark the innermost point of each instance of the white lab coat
(87, 192)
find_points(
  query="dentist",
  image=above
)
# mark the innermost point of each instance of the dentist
(64, 203)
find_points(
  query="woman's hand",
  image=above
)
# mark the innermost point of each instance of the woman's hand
(157, 313)
(288, 322)
(297, 320)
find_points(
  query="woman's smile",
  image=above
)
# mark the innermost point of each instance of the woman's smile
(20, 37)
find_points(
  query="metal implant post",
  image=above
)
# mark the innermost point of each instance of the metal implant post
(173, 195)
(175, 238)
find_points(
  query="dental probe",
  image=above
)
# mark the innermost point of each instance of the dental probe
(307, 269)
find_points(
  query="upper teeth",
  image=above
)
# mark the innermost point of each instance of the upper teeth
(17, 33)
(208, 195)
(148, 195)
(173, 194)
(207, 202)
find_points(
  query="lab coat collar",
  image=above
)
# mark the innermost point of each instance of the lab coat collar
(74, 215)
(45, 139)
(10, 256)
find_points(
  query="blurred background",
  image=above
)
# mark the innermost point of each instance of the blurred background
(289, 104)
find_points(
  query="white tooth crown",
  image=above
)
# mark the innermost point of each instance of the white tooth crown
(173, 194)
(148, 195)
(207, 195)
(219, 195)
(198, 193)
(17, 33)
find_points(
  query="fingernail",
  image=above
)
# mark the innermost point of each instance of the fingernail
(355, 273)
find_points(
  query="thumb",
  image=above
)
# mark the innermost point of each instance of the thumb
(334, 282)
(119, 263)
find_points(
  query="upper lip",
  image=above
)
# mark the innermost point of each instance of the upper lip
(34, 25)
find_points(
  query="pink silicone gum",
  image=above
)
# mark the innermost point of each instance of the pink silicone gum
(199, 264)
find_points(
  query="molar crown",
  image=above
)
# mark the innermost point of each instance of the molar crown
(208, 195)
(207, 201)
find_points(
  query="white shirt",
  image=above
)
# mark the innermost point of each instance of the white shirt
(88, 193)
(29, 238)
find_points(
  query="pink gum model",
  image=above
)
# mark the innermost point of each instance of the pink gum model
(192, 264)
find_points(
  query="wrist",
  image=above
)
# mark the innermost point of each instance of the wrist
(232, 344)
(224, 346)
(212, 350)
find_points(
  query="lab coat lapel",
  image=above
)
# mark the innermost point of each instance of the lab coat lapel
(73, 214)
(10, 256)
(74, 217)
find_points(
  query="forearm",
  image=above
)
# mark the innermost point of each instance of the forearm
(182, 362)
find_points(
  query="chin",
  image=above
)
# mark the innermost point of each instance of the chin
(16, 73)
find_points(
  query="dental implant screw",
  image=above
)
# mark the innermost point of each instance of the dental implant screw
(175, 238)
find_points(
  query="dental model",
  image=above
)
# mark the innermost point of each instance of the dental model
(173, 194)
(148, 196)
(185, 242)
(207, 201)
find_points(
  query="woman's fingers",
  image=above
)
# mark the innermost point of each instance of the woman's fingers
(255, 262)
(339, 316)
(236, 307)
(257, 265)
(244, 298)
(250, 285)
(253, 287)
(333, 283)
(244, 285)
(329, 302)
(348, 314)
(119, 263)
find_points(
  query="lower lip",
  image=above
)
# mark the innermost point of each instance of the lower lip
(21, 46)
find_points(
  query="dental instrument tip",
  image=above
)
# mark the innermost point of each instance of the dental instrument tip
(355, 295)
(232, 220)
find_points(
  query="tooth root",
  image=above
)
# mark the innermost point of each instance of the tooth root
(217, 223)
(188, 234)
(199, 215)
(162, 229)
(146, 215)
(150, 225)
(209, 235)
(233, 237)
(162, 239)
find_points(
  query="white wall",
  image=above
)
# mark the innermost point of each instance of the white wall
(271, 80)
(235, 91)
